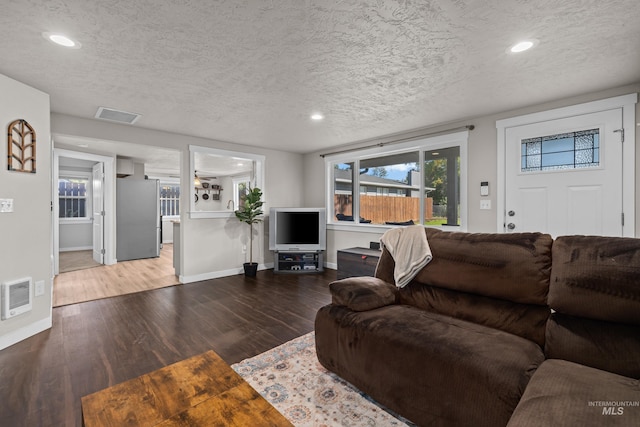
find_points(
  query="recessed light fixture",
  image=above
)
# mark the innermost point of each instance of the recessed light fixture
(62, 40)
(522, 46)
(317, 116)
(83, 145)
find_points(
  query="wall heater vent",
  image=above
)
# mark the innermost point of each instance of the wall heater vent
(16, 297)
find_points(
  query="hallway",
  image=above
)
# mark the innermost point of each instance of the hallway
(112, 280)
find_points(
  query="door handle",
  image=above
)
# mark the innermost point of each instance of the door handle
(511, 226)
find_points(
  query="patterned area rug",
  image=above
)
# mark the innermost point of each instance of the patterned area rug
(293, 381)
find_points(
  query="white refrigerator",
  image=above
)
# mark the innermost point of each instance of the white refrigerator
(137, 218)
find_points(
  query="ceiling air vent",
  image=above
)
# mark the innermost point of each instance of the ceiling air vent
(110, 114)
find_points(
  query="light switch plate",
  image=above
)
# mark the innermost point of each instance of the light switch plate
(39, 288)
(485, 204)
(6, 205)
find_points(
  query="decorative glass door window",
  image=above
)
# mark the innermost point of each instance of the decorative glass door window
(570, 150)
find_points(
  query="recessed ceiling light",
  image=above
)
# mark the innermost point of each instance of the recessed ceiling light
(317, 116)
(83, 145)
(522, 46)
(61, 40)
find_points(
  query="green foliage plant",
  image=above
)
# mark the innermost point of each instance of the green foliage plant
(250, 213)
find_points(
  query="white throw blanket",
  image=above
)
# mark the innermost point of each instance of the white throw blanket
(410, 251)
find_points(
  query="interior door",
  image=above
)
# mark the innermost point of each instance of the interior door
(98, 212)
(565, 176)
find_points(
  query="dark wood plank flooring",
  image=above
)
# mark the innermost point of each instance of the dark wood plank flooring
(97, 344)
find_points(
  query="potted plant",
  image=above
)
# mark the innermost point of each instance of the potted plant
(249, 212)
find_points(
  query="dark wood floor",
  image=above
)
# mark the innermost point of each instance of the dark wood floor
(97, 344)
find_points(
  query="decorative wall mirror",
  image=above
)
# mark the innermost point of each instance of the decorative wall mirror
(219, 179)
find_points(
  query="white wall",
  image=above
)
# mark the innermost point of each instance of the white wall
(208, 247)
(76, 237)
(26, 232)
(167, 230)
(482, 167)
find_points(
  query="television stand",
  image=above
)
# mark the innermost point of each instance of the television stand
(298, 262)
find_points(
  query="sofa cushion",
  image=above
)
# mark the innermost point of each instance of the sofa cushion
(597, 278)
(563, 393)
(362, 293)
(525, 320)
(609, 346)
(513, 267)
(433, 369)
(496, 280)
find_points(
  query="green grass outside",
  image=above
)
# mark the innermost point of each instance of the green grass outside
(436, 221)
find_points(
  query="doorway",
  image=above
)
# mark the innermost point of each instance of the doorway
(568, 171)
(82, 209)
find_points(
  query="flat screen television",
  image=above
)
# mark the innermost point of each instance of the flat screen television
(297, 229)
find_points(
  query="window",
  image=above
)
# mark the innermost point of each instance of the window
(343, 191)
(74, 196)
(420, 182)
(240, 189)
(399, 172)
(169, 199)
(571, 150)
(442, 186)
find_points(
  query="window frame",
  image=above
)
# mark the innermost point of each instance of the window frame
(70, 174)
(236, 181)
(174, 182)
(420, 145)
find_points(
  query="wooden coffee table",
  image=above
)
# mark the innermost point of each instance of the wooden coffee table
(200, 391)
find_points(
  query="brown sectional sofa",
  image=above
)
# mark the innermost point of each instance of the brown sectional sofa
(498, 329)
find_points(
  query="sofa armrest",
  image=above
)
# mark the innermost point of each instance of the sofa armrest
(362, 293)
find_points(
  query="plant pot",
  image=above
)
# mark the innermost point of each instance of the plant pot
(250, 268)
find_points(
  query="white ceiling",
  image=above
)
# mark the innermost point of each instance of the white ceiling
(252, 72)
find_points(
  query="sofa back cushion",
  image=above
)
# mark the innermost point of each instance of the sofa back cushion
(595, 291)
(497, 280)
(597, 278)
(609, 346)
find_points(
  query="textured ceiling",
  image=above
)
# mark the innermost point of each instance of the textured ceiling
(252, 72)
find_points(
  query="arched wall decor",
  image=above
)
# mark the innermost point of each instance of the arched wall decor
(21, 151)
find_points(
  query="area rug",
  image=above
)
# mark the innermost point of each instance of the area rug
(293, 381)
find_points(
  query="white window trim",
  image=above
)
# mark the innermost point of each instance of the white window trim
(626, 102)
(236, 196)
(420, 145)
(89, 197)
(169, 181)
(258, 178)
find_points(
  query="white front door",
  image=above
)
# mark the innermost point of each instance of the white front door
(98, 212)
(564, 176)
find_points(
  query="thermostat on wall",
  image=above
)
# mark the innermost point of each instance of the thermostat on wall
(484, 188)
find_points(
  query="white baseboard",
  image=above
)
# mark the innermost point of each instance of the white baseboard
(218, 274)
(331, 265)
(25, 332)
(78, 248)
